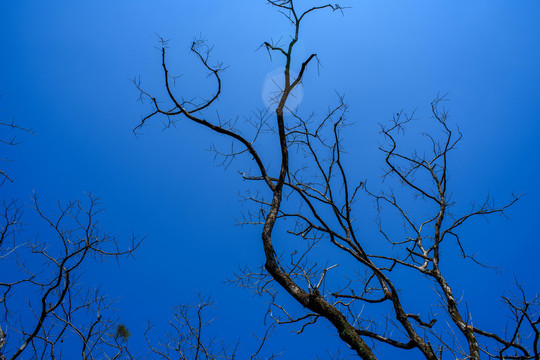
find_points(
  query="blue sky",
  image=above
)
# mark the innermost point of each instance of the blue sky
(65, 72)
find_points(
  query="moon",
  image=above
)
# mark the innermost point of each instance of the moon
(273, 86)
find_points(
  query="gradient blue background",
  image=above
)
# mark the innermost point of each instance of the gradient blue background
(65, 72)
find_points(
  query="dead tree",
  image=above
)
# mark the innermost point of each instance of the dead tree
(43, 303)
(189, 337)
(315, 197)
(46, 271)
